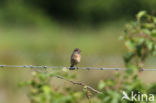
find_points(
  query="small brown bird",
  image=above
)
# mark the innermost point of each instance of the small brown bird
(75, 58)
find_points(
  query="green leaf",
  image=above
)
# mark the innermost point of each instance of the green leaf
(149, 44)
(101, 85)
(128, 57)
(153, 33)
(116, 97)
(140, 14)
(140, 40)
(131, 68)
(146, 31)
(149, 25)
(46, 89)
(154, 19)
(130, 45)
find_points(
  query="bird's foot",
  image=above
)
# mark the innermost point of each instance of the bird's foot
(72, 68)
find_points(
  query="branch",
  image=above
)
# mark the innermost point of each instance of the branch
(81, 84)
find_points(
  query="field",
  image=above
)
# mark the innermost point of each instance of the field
(52, 45)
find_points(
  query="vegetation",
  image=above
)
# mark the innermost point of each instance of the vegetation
(139, 39)
(44, 32)
(30, 12)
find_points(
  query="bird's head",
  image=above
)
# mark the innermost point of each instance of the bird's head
(77, 50)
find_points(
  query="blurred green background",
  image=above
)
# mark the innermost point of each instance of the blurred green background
(45, 32)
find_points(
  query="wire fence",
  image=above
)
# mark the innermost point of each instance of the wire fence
(70, 68)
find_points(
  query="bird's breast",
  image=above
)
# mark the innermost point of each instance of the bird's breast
(77, 57)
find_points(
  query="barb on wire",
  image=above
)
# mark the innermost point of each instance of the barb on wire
(81, 84)
(62, 67)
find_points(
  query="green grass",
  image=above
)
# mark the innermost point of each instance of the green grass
(62, 40)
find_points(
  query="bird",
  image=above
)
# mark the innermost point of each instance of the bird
(75, 58)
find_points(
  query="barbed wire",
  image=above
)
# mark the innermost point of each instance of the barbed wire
(70, 68)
